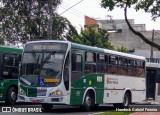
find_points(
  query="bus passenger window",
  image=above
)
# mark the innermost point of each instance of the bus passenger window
(140, 69)
(113, 64)
(76, 62)
(122, 66)
(11, 66)
(131, 67)
(76, 72)
(101, 66)
(90, 63)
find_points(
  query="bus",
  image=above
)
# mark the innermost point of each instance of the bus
(153, 81)
(9, 70)
(60, 72)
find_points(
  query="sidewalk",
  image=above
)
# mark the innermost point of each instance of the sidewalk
(149, 101)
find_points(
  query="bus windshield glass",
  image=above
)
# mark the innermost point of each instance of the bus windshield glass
(42, 64)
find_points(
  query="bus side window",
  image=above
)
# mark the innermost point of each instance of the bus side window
(76, 67)
(101, 66)
(106, 63)
(113, 64)
(122, 67)
(90, 63)
(76, 62)
(140, 68)
(11, 68)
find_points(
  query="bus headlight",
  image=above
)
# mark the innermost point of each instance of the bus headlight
(56, 93)
(21, 91)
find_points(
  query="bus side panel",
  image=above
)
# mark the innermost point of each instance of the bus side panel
(2, 91)
(138, 92)
(113, 89)
(76, 96)
(95, 81)
(4, 85)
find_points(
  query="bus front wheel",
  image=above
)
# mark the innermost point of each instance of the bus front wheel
(11, 96)
(88, 102)
(47, 106)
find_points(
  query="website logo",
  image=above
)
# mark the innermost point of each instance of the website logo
(6, 109)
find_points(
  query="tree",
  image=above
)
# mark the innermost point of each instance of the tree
(122, 49)
(24, 20)
(150, 6)
(93, 37)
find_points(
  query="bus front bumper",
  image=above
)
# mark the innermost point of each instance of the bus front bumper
(53, 100)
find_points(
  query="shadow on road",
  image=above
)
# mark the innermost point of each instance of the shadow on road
(68, 109)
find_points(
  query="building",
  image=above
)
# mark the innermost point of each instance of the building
(120, 35)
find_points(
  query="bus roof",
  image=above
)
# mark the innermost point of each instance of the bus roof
(6, 49)
(92, 48)
(80, 46)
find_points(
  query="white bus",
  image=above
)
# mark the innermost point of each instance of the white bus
(61, 72)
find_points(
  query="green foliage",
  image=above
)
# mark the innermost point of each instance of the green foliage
(149, 6)
(122, 49)
(116, 113)
(111, 4)
(24, 20)
(93, 37)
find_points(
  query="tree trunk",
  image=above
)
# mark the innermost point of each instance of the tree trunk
(157, 46)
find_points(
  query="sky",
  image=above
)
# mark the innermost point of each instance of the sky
(93, 9)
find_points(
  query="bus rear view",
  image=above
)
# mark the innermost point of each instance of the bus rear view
(42, 73)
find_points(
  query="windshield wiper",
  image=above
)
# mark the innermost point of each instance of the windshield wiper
(25, 81)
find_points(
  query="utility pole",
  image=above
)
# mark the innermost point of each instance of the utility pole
(152, 46)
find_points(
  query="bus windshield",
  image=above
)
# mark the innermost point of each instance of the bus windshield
(42, 68)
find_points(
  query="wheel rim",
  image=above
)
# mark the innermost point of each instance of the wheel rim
(88, 101)
(126, 101)
(13, 96)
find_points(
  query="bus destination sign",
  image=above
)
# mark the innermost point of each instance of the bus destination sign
(45, 46)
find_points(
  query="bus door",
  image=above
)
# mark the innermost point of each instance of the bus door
(66, 72)
(76, 75)
(150, 82)
(76, 72)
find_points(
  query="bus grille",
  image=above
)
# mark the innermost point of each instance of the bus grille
(36, 92)
(32, 92)
(41, 92)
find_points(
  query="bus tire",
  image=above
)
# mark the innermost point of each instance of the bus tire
(11, 96)
(125, 103)
(126, 100)
(89, 102)
(47, 106)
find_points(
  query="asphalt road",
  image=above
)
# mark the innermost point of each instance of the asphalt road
(68, 110)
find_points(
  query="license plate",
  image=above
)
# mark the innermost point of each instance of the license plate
(36, 101)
